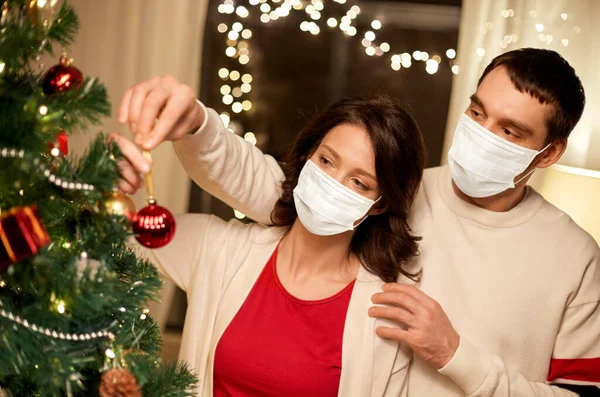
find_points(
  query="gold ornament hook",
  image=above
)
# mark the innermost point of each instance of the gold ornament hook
(149, 181)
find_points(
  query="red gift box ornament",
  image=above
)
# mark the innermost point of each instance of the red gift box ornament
(22, 234)
(62, 143)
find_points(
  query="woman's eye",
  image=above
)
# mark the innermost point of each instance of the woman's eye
(507, 132)
(360, 185)
(475, 113)
(324, 160)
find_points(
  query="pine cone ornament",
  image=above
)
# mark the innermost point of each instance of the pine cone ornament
(119, 382)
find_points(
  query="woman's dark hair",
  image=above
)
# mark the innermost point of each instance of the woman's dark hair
(383, 242)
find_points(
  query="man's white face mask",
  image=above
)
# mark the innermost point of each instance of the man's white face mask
(482, 164)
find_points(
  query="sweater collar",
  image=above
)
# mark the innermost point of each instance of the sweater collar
(520, 214)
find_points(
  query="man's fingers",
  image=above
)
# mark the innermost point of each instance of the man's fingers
(123, 113)
(151, 107)
(408, 289)
(394, 314)
(398, 299)
(397, 334)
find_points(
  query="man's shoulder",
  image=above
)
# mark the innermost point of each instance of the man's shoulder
(561, 223)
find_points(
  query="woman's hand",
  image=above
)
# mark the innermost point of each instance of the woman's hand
(131, 165)
(160, 109)
(156, 110)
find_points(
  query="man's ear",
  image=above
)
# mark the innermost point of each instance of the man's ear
(552, 154)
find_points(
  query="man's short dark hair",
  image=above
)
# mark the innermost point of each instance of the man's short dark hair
(549, 78)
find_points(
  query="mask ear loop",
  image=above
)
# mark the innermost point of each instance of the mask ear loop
(533, 170)
(367, 215)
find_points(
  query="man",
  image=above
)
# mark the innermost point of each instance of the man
(508, 304)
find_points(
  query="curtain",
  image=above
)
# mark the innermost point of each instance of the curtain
(124, 42)
(491, 27)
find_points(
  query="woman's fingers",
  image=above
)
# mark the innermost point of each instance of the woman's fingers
(131, 153)
(129, 174)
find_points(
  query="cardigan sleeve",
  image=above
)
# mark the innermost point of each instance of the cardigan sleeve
(231, 168)
(195, 235)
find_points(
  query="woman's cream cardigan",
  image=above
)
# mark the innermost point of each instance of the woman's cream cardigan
(217, 263)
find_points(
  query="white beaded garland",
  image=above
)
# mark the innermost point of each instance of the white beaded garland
(54, 334)
(14, 153)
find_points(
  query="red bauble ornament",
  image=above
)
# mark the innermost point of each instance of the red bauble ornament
(62, 77)
(154, 226)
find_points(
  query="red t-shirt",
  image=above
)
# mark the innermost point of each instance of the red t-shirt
(281, 346)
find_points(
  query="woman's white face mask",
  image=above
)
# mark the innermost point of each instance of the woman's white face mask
(482, 164)
(325, 206)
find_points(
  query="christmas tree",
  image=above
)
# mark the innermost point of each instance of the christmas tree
(72, 294)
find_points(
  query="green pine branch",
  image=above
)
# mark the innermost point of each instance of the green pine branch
(88, 279)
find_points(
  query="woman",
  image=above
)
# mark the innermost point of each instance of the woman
(282, 311)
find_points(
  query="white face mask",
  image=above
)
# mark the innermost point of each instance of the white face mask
(482, 164)
(325, 206)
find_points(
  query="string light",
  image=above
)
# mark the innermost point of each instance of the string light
(230, 52)
(271, 11)
(225, 118)
(539, 27)
(227, 99)
(250, 137)
(431, 66)
(237, 107)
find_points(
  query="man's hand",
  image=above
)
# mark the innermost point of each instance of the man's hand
(428, 330)
(160, 109)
